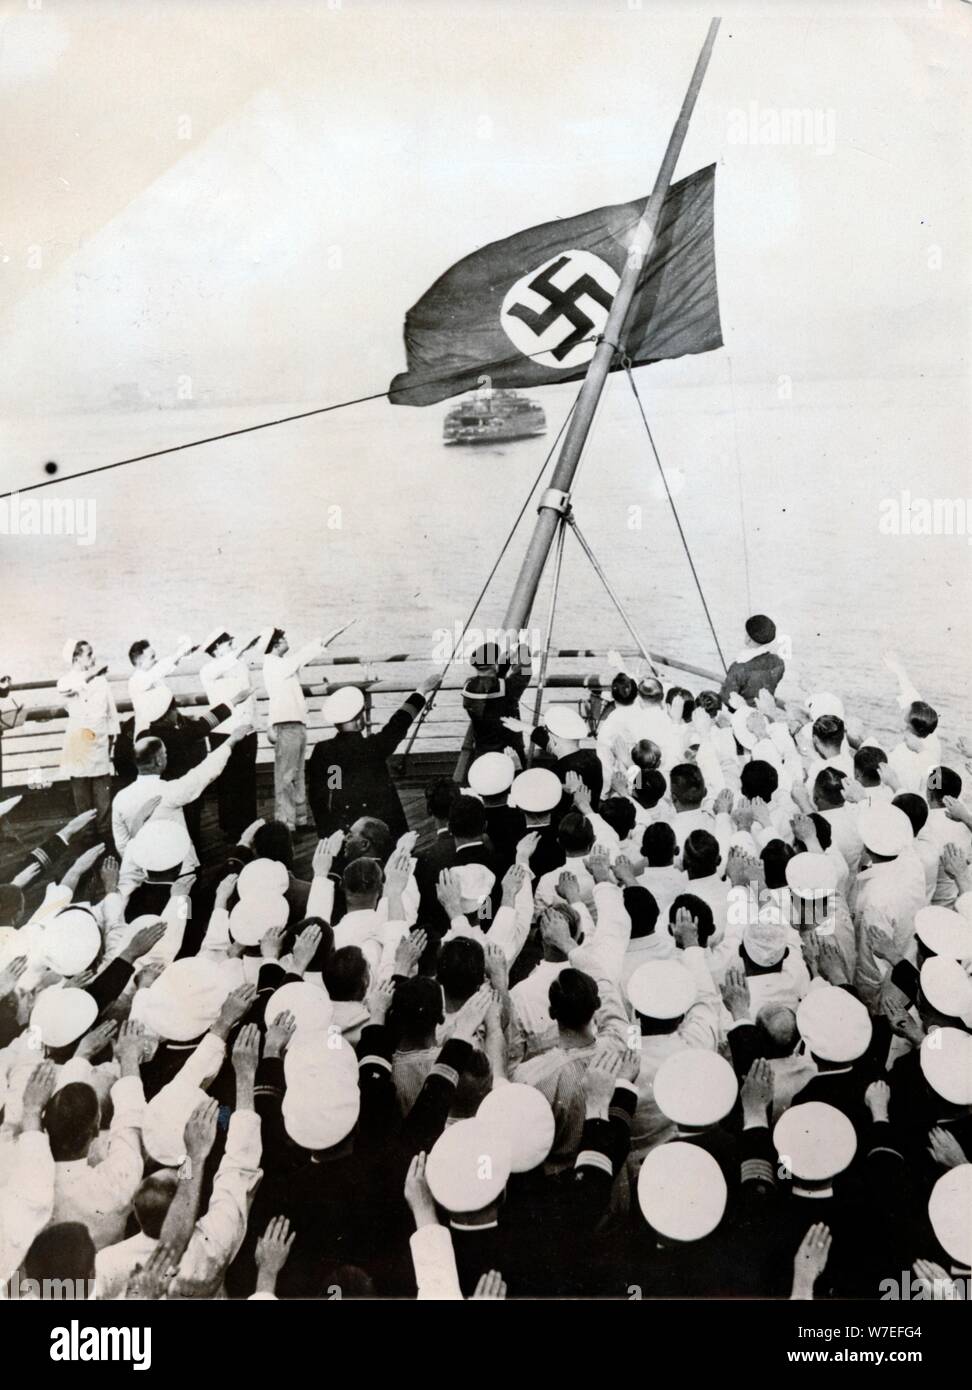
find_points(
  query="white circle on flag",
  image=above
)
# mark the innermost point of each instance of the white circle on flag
(554, 313)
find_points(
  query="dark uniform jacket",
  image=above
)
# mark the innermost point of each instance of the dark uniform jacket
(748, 678)
(348, 777)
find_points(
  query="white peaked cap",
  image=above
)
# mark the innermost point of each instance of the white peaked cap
(491, 774)
(822, 702)
(71, 940)
(263, 637)
(536, 790)
(681, 1191)
(662, 989)
(885, 829)
(963, 906)
(565, 722)
(765, 939)
(343, 706)
(946, 1064)
(152, 704)
(815, 1141)
(322, 1100)
(744, 735)
(262, 877)
(950, 1213)
(469, 1166)
(184, 1002)
(61, 1016)
(475, 885)
(812, 876)
(947, 988)
(159, 845)
(67, 651)
(523, 1117)
(835, 1026)
(310, 1005)
(695, 1087)
(166, 1117)
(944, 932)
(255, 915)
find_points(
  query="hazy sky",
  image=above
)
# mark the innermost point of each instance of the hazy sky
(252, 194)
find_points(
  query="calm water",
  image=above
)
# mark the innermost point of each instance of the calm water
(364, 513)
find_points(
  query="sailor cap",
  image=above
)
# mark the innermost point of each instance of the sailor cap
(322, 1100)
(885, 829)
(475, 885)
(765, 939)
(310, 1005)
(815, 1141)
(213, 639)
(812, 876)
(944, 932)
(523, 1117)
(165, 1120)
(695, 1088)
(67, 651)
(681, 1191)
(71, 940)
(946, 1064)
(469, 1166)
(822, 702)
(62, 1015)
(255, 915)
(950, 1213)
(662, 989)
(152, 704)
(160, 845)
(744, 735)
(835, 1026)
(536, 790)
(185, 1000)
(947, 988)
(491, 774)
(343, 705)
(262, 877)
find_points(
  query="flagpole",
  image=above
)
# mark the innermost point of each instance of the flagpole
(556, 499)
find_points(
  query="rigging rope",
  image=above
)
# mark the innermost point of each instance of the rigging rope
(626, 363)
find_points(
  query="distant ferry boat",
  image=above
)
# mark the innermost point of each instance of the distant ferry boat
(493, 418)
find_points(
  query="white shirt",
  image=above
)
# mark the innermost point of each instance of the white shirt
(223, 678)
(141, 682)
(175, 794)
(887, 895)
(939, 831)
(280, 676)
(26, 1195)
(100, 1197)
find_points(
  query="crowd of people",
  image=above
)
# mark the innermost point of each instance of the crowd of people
(676, 1005)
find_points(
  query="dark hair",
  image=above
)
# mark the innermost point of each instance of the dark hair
(62, 1251)
(619, 813)
(944, 781)
(416, 1008)
(362, 877)
(378, 835)
(148, 751)
(357, 847)
(71, 1119)
(275, 840)
(658, 844)
(829, 784)
(461, 967)
(710, 701)
(439, 796)
(79, 647)
(829, 729)
(867, 760)
(697, 908)
(686, 695)
(624, 690)
(760, 628)
(687, 784)
(575, 834)
(467, 819)
(822, 826)
(646, 755)
(152, 1202)
(700, 854)
(137, 648)
(574, 999)
(914, 807)
(642, 907)
(775, 856)
(759, 780)
(326, 945)
(922, 719)
(346, 974)
(653, 788)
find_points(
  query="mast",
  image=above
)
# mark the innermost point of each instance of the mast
(556, 499)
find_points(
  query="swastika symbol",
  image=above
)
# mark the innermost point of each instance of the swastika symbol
(554, 313)
(562, 303)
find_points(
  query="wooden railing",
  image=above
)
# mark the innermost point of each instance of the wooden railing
(32, 752)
